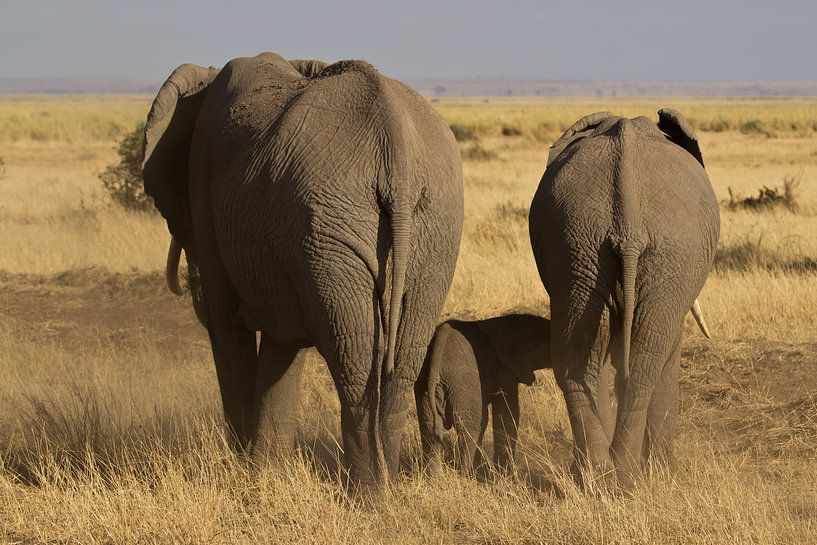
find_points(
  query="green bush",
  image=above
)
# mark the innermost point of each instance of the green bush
(123, 181)
(2, 168)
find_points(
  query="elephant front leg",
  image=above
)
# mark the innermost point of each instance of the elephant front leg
(277, 398)
(235, 356)
(470, 431)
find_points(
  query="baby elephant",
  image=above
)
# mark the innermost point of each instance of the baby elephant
(470, 365)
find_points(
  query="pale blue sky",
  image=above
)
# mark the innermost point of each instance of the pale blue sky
(697, 40)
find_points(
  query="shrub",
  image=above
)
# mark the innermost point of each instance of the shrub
(123, 181)
(756, 126)
(508, 130)
(748, 255)
(2, 168)
(769, 198)
(715, 125)
(477, 153)
(463, 132)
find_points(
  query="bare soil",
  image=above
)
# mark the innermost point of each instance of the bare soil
(89, 306)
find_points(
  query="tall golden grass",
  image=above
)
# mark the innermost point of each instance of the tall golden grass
(117, 438)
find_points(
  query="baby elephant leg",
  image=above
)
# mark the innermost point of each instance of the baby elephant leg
(470, 426)
(430, 432)
(505, 413)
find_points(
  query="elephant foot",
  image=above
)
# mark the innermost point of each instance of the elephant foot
(366, 495)
(434, 465)
(665, 464)
(276, 459)
(273, 448)
(597, 477)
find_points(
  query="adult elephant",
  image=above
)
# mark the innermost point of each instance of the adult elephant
(322, 206)
(623, 227)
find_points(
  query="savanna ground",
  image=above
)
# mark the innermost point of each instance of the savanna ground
(110, 425)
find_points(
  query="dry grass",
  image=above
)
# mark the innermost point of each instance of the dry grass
(111, 432)
(543, 119)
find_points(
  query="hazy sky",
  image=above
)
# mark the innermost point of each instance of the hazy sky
(696, 40)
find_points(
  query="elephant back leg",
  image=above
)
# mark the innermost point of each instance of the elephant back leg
(650, 392)
(662, 414)
(426, 286)
(234, 346)
(277, 398)
(578, 355)
(349, 320)
(348, 331)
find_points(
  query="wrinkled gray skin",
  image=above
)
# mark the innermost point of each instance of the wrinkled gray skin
(470, 365)
(321, 205)
(623, 227)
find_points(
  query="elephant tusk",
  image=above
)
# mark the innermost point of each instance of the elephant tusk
(698, 314)
(174, 254)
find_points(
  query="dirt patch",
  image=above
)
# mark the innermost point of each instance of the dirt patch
(753, 397)
(781, 371)
(89, 306)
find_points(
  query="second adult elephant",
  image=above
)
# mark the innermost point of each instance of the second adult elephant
(624, 227)
(321, 205)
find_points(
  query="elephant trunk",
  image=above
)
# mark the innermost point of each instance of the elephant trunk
(698, 314)
(174, 254)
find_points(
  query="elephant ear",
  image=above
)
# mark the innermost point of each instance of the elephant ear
(580, 129)
(308, 68)
(679, 131)
(168, 132)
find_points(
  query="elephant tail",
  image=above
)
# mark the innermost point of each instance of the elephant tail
(401, 220)
(629, 254)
